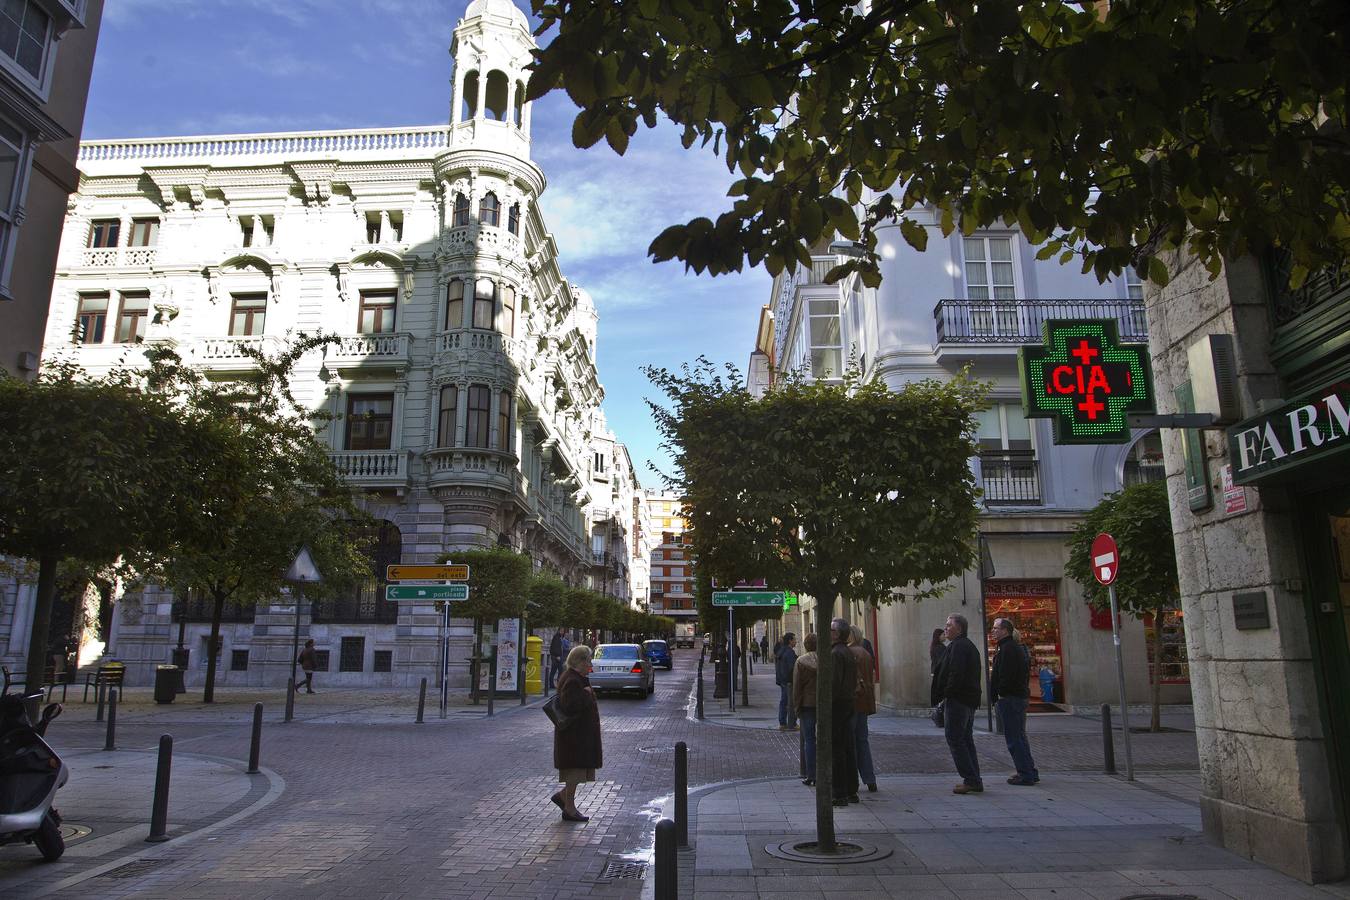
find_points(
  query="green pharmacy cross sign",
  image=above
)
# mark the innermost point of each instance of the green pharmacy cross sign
(1086, 380)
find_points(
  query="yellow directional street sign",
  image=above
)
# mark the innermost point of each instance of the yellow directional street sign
(427, 573)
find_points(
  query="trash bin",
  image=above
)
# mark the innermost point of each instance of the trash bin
(1047, 680)
(167, 679)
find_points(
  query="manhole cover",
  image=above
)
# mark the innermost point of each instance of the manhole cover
(134, 869)
(846, 852)
(71, 832)
(623, 869)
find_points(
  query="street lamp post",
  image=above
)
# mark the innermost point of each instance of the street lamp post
(302, 572)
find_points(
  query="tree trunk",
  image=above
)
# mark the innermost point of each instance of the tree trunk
(217, 609)
(477, 658)
(42, 621)
(825, 842)
(1154, 685)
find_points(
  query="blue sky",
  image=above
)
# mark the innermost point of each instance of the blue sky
(167, 67)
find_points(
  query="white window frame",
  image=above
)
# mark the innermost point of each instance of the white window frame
(11, 219)
(812, 348)
(1002, 407)
(1000, 316)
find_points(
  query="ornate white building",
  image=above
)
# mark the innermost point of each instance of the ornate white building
(464, 388)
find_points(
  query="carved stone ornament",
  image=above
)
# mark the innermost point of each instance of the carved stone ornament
(213, 283)
(343, 271)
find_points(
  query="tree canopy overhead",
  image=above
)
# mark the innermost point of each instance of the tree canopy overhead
(1110, 131)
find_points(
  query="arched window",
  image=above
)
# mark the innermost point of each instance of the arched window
(469, 106)
(461, 210)
(484, 302)
(507, 325)
(504, 404)
(445, 423)
(454, 304)
(513, 219)
(490, 211)
(497, 88)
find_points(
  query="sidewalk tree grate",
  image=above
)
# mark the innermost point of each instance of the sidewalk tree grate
(846, 852)
(134, 869)
(623, 869)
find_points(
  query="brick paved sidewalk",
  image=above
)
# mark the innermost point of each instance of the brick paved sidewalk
(1071, 837)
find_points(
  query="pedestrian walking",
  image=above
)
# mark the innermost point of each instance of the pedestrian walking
(782, 676)
(936, 650)
(843, 692)
(764, 647)
(804, 674)
(577, 751)
(309, 661)
(555, 658)
(864, 705)
(957, 687)
(1010, 689)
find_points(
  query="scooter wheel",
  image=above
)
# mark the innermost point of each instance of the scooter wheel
(48, 839)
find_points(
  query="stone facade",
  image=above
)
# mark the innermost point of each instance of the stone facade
(463, 387)
(1260, 719)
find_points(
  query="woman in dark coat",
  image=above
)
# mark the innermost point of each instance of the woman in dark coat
(576, 747)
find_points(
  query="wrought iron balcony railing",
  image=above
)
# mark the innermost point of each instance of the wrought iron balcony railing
(1010, 479)
(1020, 321)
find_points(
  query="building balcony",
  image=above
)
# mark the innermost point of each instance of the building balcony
(118, 257)
(390, 351)
(476, 238)
(373, 468)
(449, 467)
(1010, 479)
(982, 327)
(233, 354)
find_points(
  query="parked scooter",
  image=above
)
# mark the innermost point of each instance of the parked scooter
(30, 775)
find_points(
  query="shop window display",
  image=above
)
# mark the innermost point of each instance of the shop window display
(1033, 607)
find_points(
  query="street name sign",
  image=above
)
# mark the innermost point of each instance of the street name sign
(1105, 559)
(406, 592)
(747, 598)
(1086, 380)
(427, 573)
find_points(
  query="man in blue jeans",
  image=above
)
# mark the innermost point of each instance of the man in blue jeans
(782, 676)
(1010, 689)
(957, 686)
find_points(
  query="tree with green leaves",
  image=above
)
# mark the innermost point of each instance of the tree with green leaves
(267, 489)
(92, 472)
(546, 596)
(1140, 520)
(846, 490)
(1108, 131)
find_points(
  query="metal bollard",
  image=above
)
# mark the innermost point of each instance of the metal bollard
(255, 745)
(698, 693)
(1108, 744)
(159, 811)
(421, 701)
(667, 872)
(110, 742)
(290, 699)
(100, 691)
(682, 795)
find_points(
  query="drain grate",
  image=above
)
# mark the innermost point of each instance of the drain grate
(623, 869)
(134, 869)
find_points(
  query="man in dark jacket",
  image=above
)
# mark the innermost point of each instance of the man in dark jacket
(555, 658)
(843, 691)
(1009, 689)
(784, 660)
(957, 687)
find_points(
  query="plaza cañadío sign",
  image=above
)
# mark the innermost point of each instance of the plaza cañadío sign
(1086, 380)
(1306, 430)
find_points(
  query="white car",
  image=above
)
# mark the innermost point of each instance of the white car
(622, 667)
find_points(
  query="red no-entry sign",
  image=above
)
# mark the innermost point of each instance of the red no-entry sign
(1105, 558)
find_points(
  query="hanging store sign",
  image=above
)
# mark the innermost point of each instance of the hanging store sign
(1086, 380)
(1312, 428)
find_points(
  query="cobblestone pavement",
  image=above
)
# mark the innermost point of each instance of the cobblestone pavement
(366, 806)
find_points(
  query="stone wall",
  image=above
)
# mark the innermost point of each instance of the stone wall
(1263, 751)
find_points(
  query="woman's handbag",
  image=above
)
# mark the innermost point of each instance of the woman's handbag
(939, 714)
(555, 714)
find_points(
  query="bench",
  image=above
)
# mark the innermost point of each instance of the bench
(103, 677)
(50, 682)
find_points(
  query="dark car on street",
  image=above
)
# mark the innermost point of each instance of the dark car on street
(659, 654)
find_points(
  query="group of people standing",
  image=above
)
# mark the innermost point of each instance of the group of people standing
(852, 700)
(958, 671)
